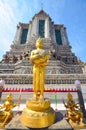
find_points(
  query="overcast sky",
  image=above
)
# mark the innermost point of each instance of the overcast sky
(71, 13)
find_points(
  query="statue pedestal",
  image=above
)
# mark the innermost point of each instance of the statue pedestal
(38, 114)
(78, 126)
(61, 124)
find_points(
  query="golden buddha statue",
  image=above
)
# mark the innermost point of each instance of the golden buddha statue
(38, 113)
(39, 59)
(75, 115)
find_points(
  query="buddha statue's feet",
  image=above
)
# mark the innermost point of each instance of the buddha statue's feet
(38, 105)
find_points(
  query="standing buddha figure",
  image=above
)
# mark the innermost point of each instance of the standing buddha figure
(39, 59)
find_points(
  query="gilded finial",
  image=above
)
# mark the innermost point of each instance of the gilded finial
(42, 6)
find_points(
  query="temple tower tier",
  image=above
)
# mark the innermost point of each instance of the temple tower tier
(62, 59)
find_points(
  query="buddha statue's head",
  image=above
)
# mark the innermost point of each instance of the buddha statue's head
(39, 43)
(9, 97)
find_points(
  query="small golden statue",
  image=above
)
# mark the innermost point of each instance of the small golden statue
(6, 113)
(75, 115)
(38, 113)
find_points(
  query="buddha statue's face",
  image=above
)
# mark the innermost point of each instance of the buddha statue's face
(9, 97)
(39, 43)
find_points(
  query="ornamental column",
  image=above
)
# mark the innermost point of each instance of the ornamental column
(35, 27)
(29, 33)
(17, 39)
(53, 32)
(47, 30)
(64, 36)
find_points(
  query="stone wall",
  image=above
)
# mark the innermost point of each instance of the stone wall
(49, 79)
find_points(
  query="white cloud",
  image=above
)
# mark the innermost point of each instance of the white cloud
(10, 15)
(7, 16)
(7, 23)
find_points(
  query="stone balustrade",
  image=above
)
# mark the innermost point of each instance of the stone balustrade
(50, 79)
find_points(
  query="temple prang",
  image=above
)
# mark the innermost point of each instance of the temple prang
(62, 59)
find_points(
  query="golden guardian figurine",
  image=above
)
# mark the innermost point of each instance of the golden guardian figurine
(38, 113)
(74, 113)
(6, 113)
